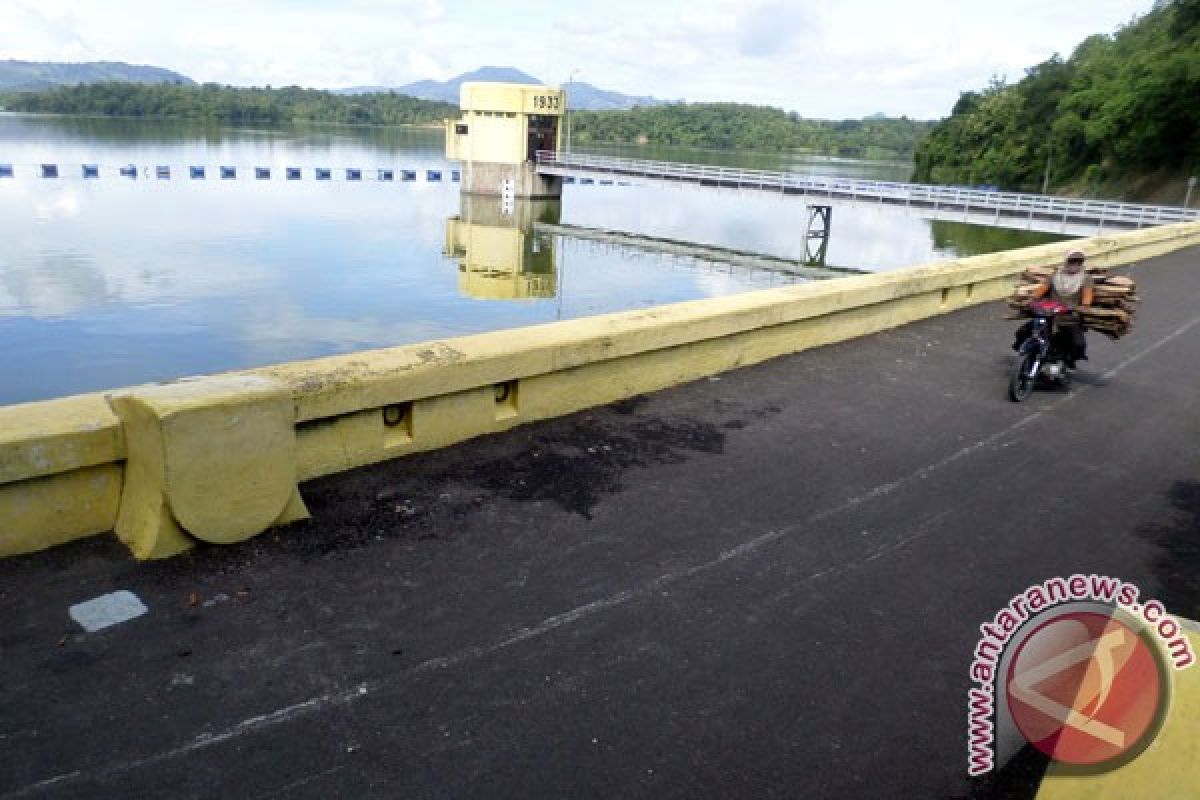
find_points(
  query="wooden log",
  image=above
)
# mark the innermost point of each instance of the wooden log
(1114, 300)
(1103, 313)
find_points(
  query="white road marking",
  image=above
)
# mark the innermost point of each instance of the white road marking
(107, 610)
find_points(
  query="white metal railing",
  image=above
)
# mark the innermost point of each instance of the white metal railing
(1006, 203)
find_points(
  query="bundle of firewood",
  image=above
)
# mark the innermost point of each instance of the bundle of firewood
(1114, 299)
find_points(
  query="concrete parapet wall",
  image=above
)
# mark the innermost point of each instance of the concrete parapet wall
(218, 459)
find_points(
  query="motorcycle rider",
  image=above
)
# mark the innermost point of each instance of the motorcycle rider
(1072, 286)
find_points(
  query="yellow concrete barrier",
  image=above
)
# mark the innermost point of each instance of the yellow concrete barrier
(61, 472)
(213, 459)
(58, 436)
(218, 458)
(43, 512)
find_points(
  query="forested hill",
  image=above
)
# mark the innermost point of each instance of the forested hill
(1121, 108)
(745, 127)
(713, 125)
(34, 75)
(229, 104)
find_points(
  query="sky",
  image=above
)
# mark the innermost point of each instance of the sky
(821, 58)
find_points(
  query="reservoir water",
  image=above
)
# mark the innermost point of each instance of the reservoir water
(114, 281)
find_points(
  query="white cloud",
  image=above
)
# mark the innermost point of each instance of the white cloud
(774, 28)
(40, 31)
(823, 58)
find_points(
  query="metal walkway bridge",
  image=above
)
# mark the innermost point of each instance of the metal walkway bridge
(1008, 209)
(810, 269)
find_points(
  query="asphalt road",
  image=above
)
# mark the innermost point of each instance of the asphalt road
(764, 585)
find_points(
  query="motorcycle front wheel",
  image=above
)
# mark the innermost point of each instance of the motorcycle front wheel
(1024, 376)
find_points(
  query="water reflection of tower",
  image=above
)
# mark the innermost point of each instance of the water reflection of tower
(499, 255)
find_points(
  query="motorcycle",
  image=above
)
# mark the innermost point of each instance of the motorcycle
(1040, 355)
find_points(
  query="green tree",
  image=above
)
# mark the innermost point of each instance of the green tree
(229, 104)
(1120, 106)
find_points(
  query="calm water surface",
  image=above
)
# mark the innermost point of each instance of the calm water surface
(111, 282)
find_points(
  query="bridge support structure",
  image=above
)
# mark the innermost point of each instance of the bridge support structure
(816, 234)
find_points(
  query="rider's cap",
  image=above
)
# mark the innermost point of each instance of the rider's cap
(1076, 255)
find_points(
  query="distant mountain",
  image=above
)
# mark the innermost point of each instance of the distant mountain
(586, 97)
(582, 95)
(447, 91)
(34, 75)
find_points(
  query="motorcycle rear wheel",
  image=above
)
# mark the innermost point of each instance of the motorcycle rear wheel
(1020, 384)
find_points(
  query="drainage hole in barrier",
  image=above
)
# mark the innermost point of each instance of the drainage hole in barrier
(397, 424)
(506, 399)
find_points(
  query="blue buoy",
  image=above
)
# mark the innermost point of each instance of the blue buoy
(587, 181)
(408, 175)
(49, 170)
(455, 175)
(569, 179)
(433, 175)
(129, 171)
(386, 175)
(228, 173)
(354, 174)
(162, 173)
(6, 171)
(293, 173)
(197, 173)
(91, 171)
(262, 173)
(323, 174)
